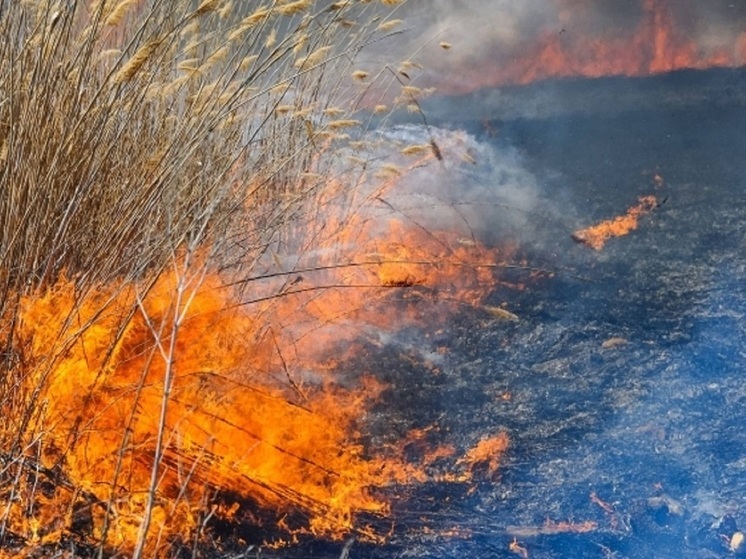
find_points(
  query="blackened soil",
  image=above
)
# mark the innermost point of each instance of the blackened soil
(621, 385)
(623, 395)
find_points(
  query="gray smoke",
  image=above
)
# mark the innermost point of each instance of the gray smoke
(484, 34)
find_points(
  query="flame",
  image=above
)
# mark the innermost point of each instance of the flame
(597, 235)
(487, 453)
(656, 45)
(157, 393)
(370, 266)
(229, 423)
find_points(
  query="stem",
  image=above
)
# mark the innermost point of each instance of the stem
(169, 358)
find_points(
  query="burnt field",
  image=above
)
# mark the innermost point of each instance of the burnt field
(266, 292)
(621, 382)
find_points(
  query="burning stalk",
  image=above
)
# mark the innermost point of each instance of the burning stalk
(129, 132)
(150, 343)
(596, 236)
(165, 342)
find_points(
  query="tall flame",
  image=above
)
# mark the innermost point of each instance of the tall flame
(155, 394)
(229, 423)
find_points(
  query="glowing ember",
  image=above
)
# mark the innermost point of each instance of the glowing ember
(597, 235)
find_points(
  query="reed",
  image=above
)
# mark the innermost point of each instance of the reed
(133, 133)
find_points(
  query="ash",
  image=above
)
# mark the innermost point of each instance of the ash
(622, 381)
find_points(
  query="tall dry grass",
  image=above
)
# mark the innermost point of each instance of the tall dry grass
(135, 132)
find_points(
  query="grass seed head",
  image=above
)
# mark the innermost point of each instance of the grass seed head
(271, 39)
(118, 13)
(257, 17)
(390, 24)
(207, 6)
(342, 123)
(316, 57)
(226, 10)
(138, 60)
(247, 62)
(294, 7)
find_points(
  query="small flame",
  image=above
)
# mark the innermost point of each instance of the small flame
(487, 454)
(597, 235)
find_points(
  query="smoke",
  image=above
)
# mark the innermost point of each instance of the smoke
(496, 42)
(473, 188)
(401, 217)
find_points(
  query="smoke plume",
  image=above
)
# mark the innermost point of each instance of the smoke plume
(465, 44)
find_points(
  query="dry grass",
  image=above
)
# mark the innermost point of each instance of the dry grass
(133, 133)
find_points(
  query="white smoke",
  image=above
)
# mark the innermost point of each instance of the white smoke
(480, 35)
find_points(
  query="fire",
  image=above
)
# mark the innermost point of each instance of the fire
(657, 44)
(140, 408)
(597, 235)
(487, 453)
(100, 366)
(158, 393)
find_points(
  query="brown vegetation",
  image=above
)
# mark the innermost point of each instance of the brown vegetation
(147, 150)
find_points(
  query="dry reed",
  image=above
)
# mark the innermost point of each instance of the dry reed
(131, 134)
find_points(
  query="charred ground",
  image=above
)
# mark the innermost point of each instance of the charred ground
(621, 383)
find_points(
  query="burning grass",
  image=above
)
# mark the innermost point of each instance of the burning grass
(159, 163)
(560, 38)
(104, 370)
(597, 235)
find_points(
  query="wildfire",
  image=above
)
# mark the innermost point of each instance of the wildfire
(208, 378)
(158, 393)
(657, 44)
(597, 235)
(101, 368)
(233, 420)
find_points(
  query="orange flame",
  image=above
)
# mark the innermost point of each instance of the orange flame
(229, 423)
(158, 393)
(233, 420)
(250, 402)
(655, 46)
(597, 235)
(487, 453)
